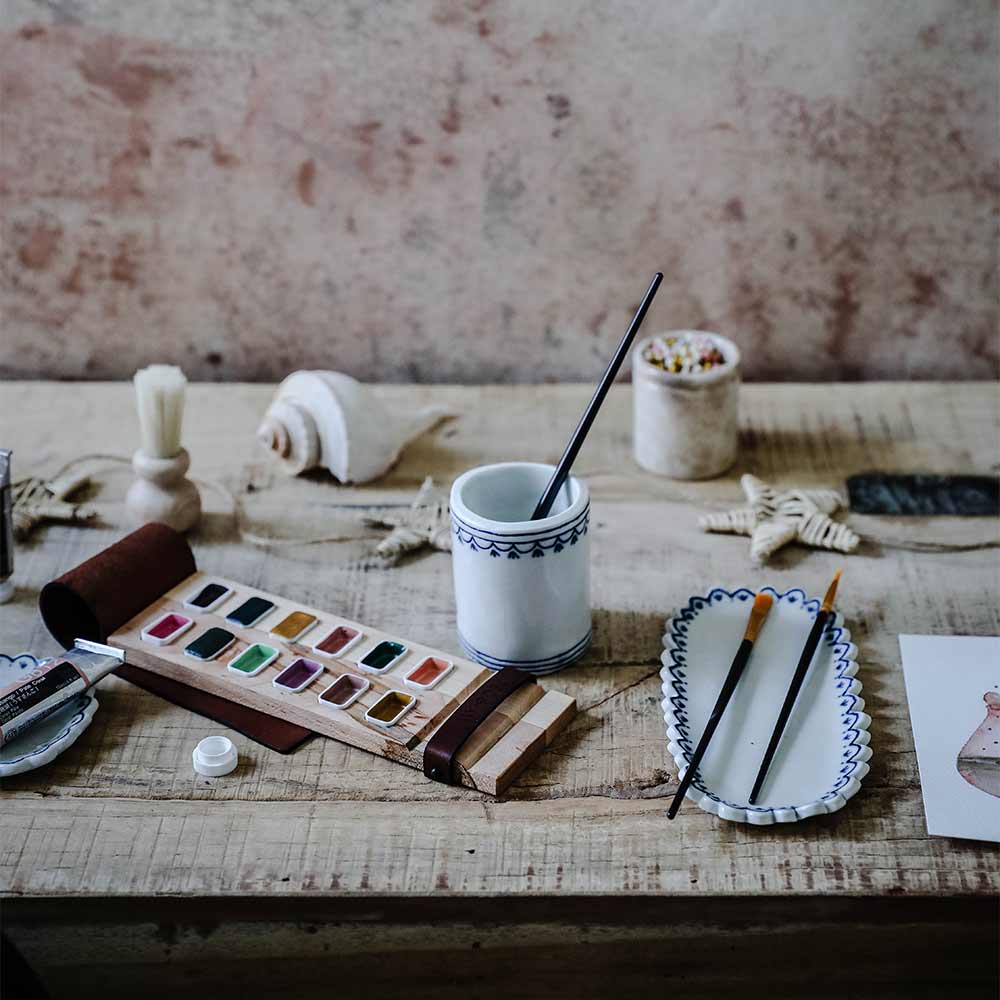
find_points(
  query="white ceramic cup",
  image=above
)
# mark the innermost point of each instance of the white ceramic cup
(522, 587)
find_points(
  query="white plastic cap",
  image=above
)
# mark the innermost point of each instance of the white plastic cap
(214, 756)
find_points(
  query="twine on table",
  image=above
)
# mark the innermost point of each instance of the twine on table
(28, 489)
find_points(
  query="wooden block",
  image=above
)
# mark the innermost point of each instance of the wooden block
(499, 722)
(497, 768)
(553, 713)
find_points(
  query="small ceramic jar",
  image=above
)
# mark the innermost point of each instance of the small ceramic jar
(686, 424)
(522, 587)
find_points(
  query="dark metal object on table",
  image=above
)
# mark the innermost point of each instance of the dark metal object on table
(924, 495)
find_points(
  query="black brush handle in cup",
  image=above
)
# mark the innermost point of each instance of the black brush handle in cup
(728, 687)
(798, 677)
(579, 435)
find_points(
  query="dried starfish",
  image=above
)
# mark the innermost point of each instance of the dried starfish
(773, 518)
(424, 523)
(36, 501)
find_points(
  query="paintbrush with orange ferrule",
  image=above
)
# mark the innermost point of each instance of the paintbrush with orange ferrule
(761, 606)
(824, 615)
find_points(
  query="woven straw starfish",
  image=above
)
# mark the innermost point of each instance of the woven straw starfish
(36, 501)
(425, 523)
(772, 519)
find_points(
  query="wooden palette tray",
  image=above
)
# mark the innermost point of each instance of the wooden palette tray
(497, 751)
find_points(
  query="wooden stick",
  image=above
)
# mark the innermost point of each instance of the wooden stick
(761, 606)
(580, 434)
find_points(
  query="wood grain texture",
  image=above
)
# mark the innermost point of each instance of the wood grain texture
(121, 813)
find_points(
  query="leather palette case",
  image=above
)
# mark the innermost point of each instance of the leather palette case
(100, 595)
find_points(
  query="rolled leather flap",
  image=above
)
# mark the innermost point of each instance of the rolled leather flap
(100, 595)
(439, 754)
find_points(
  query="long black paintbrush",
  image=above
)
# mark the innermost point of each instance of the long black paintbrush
(761, 606)
(569, 455)
(823, 616)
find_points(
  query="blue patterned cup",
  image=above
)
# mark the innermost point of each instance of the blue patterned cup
(522, 587)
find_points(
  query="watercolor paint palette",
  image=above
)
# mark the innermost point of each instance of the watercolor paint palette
(340, 678)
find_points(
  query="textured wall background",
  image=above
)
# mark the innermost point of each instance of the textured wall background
(474, 190)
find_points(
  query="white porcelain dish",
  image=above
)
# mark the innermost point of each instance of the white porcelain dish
(43, 742)
(824, 752)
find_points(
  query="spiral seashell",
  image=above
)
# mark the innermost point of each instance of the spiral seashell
(289, 432)
(329, 419)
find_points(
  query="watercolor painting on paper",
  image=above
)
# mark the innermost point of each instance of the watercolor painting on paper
(953, 690)
(979, 760)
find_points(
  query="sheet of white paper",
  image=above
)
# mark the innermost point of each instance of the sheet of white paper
(947, 679)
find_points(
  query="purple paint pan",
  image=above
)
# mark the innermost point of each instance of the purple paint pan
(298, 675)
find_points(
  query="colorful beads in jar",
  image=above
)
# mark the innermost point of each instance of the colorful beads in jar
(684, 353)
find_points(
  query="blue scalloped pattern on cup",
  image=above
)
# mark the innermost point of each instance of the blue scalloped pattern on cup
(531, 544)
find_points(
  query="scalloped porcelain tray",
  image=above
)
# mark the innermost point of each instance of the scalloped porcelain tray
(45, 740)
(824, 751)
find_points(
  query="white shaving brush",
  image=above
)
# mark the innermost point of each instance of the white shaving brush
(161, 491)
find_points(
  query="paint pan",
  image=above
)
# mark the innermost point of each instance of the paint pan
(210, 644)
(294, 626)
(298, 675)
(381, 657)
(339, 641)
(166, 628)
(428, 672)
(253, 660)
(250, 611)
(344, 691)
(390, 708)
(207, 598)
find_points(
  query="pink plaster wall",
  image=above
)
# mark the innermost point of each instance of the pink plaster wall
(479, 190)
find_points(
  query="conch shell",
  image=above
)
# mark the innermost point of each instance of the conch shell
(330, 419)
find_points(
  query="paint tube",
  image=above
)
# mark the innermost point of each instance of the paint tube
(44, 690)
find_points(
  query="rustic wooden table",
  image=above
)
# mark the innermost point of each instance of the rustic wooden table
(334, 833)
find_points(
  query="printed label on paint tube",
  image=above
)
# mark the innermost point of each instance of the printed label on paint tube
(32, 698)
(32, 693)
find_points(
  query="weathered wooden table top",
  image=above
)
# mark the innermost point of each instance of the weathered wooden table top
(122, 812)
